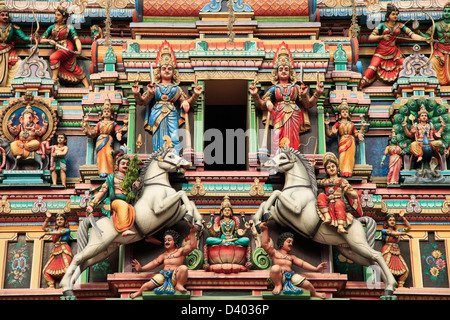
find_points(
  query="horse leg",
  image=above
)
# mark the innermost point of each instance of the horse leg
(268, 204)
(197, 216)
(101, 256)
(364, 254)
(261, 215)
(189, 206)
(78, 265)
(167, 202)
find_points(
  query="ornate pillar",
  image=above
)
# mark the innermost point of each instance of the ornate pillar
(199, 128)
(252, 130)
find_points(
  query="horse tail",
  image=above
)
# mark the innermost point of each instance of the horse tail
(371, 228)
(82, 234)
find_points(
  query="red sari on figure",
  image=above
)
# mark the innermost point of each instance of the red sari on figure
(387, 61)
(289, 118)
(63, 60)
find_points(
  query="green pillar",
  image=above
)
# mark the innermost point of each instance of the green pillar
(252, 125)
(321, 143)
(131, 141)
(199, 126)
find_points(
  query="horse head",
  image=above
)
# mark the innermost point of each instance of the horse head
(282, 162)
(170, 161)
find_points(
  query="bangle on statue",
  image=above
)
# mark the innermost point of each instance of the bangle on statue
(93, 203)
(316, 95)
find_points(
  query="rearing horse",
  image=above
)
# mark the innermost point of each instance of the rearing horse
(295, 207)
(158, 206)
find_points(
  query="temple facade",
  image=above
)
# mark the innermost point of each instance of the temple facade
(362, 85)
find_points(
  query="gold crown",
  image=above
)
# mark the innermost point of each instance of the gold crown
(3, 7)
(28, 109)
(225, 203)
(107, 105)
(423, 109)
(329, 156)
(344, 105)
(166, 56)
(283, 56)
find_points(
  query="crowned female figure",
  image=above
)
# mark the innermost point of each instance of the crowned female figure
(347, 132)
(286, 101)
(104, 131)
(226, 228)
(166, 101)
(61, 256)
(63, 61)
(387, 61)
(338, 199)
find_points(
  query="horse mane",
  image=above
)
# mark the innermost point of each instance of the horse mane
(309, 168)
(160, 152)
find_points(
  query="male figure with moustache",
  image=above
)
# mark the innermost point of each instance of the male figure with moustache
(174, 275)
(281, 272)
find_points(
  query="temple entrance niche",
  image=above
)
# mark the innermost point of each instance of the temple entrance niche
(225, 126)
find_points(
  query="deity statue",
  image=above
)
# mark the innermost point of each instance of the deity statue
(57, 159)
(104, 131)
(338, 196)
(122, 211)
(391, 251)
(226, 228)
(62, 255)
(227, 249)
(9, 60)
(441, 55)
(174, 275)
(395, 160)
(387, 61)
(347, 133)
(283, 277)
(424, 133)
(27, 134)
(167, 104)
(286, 101)
(63, 62)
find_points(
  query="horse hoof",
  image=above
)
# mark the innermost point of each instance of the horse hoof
(189, 219)
(266, 217)
(388, 292)
(68, 293)
(200, 227)
(257, 227)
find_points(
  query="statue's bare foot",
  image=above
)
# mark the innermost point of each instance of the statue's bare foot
(134, 295)
(277, 290)
(320, 295)
(127, 233)
(180, 288)
(341, 229)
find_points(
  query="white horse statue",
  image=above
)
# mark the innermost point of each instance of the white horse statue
(295, 207)
(158, 206)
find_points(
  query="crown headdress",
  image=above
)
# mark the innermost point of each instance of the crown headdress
(283, 56)
(344, 105)
(329, 156)
(225, 203)
(3, 6)
(423, 109)
(166, 55)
